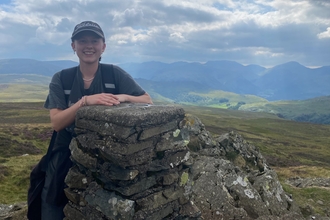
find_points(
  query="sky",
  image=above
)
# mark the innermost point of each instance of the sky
(261, 32)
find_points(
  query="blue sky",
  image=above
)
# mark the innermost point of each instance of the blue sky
(262, 32)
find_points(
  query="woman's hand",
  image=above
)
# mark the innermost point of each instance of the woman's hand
(111, 99)
(122, 98)
(102, 99)
(145, 98)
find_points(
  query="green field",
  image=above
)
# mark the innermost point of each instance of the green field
(23, 92)
(291, 148)
(314, 110)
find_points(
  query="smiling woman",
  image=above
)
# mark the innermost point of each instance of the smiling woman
(90, 83)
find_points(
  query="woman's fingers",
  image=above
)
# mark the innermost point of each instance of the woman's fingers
(106, 99)
(103, 99)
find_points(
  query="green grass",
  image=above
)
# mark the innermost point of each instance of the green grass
(24, 136)
(310, 196)
(310, 110)
(291, 148)
(23, 92)
(284, 142)
(232, 97)
(14, 185)
(314, 110)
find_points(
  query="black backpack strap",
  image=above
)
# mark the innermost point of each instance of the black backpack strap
(49, 151)
(51, 144)
(37, 180)
(108, 78)
(67, 77)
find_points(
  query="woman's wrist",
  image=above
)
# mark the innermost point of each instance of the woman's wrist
(86, 103)
(83, 101)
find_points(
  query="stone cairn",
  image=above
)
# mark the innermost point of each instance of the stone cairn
(130, 163)
(136, 161)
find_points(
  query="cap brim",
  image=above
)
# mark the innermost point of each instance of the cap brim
(85, 30)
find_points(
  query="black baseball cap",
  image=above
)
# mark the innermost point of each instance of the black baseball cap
(87, 26)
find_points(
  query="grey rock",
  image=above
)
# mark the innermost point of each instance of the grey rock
(76, 180)
(80, 157)
(108, 203)
(128, 115)
(155, 162)
(309, 182)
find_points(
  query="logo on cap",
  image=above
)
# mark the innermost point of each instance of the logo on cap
(88, 26)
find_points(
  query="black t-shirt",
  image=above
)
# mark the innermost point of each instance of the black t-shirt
(124, 82)
(56, 97)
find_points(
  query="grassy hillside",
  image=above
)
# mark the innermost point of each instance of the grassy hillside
(24, 79)
(23, 92)
(283, 142)
(291, 148)
(24, 136)
(220, 99)
(314, 110)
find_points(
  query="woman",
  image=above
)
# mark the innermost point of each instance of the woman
(87, 89)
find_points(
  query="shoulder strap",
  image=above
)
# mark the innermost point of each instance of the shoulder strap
(108, 78)
(44, 162)
(51, 144)
(67, 77)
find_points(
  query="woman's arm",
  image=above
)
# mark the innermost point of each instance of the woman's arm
(60, 119)
(145, 98)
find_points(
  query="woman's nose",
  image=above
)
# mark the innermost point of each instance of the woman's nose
(89, 44)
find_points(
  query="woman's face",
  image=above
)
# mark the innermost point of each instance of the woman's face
(89, 47)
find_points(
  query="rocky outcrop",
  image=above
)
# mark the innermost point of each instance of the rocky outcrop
(230, 179)
(309, 182)
(15, 211)
(155, 162)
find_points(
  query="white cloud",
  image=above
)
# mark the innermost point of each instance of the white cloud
(177, 37)
(261, 31)
(325, 34)
(129, 17)
(266, 52)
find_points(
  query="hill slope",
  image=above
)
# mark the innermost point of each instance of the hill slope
(288, 81)
(316, 110)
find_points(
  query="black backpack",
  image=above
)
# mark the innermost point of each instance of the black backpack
(108, 78)
(38, 174)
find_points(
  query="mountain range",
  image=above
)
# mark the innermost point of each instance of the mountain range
(288, 81)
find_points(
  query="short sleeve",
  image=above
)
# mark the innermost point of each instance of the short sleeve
(126, 83)
(56, 96)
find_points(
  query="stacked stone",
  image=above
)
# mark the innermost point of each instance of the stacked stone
(130, 163)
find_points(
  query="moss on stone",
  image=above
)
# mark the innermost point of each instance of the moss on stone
(184, 178)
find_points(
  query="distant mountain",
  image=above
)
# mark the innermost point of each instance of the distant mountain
(29, 66)
(288, 81)
(292, 81)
